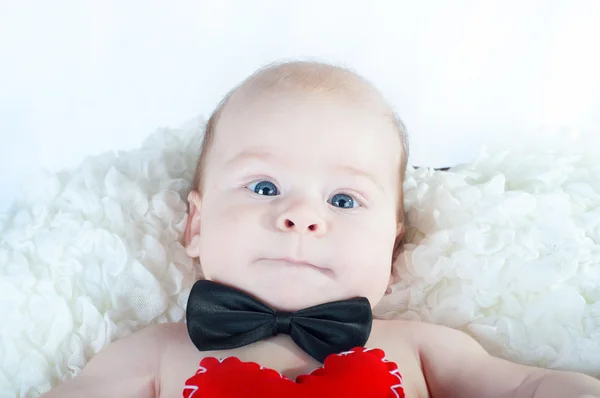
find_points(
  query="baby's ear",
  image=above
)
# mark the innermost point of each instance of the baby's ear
(400, 231)
(191, 235)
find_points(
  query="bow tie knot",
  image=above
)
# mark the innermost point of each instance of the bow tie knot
(283, 322)
(220, 318)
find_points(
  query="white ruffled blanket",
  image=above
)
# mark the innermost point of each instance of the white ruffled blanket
(506, 248)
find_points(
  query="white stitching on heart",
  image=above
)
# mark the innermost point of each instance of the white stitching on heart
(193, 388)
(396, 388)
(396, 373)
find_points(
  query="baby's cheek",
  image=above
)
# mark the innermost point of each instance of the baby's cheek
(369, 239)
(234, 227)
(230, 218)
(367, 256)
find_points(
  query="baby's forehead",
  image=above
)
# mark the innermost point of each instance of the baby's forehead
(320, 134)
(289, 108)
(297, 115)
(303, 102)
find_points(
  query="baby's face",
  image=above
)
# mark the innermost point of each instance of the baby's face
(299, 201)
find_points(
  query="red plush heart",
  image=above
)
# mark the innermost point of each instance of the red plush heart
(356, 373)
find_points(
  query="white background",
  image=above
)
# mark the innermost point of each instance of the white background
(84, 77)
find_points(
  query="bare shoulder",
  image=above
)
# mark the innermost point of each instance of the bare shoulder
(453, 361)
(172, 331)
(175, 341)
(411, 333)
(430, 345)
(399, 340)
(179, 359)
(126, 367)
(143, 345)
(406, 337)
(422, 335)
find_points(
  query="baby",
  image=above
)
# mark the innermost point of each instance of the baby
(297, 202)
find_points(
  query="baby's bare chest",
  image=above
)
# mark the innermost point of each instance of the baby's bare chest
(180, 360)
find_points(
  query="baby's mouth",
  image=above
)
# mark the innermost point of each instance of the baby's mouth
(294, 262)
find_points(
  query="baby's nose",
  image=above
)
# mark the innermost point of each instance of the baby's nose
(301, 222)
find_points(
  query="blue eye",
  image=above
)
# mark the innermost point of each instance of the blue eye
(343, 201)
(264, 187)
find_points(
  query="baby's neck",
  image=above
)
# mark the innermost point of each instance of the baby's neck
(279, 352)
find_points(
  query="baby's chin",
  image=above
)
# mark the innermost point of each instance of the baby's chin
(290, 288)
(294, 295)
(297, 296)
(289, 301)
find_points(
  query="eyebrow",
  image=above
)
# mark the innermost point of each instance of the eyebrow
(360, 174)
(250, 155)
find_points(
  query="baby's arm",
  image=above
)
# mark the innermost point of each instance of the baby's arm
(125, 368)
(455, 365)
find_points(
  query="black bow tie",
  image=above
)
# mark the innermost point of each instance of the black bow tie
(219, 317)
